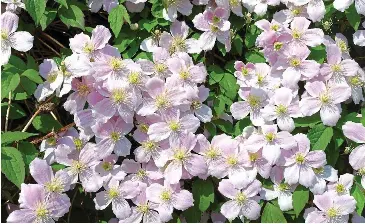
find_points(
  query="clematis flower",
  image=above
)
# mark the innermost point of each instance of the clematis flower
(263, 79)
(323, 174)
(271, 141)
(357, 83)
(108, 5)
(231, 5)
(177, 41)
(167, 198)
(14, 6)
(274, 47)
(135, 5)
(286, 16)
(150, 44)
(304, 36)
(256, 162)
(144, 211)
(359, 38)
(42, 173)
(253, 102)
(172, 7)
(182, 163)
(293, 61)
(270, 31)
(259, 6)
(111, 137)
(342, 5)
(331, 208)
(81, 164)
(149, 150)
(37, 206)
(142, 124)
(173, 126)
(282, 191)
(243, 72)
(284, 107)
(325, 99)
(342, 186)
(215, 26)
(243, 199)
(336, 68)
(315, 8)
(83, 44)
(341, 42)
(356, 132)
(119, 98)
(116, 194)
(299, 162)
(107, 169)
(163, 96)
(158, 67)
(20, 41)
(197, 96)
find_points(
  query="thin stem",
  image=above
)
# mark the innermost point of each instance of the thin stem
(30, 120)
(54, 51)
(54, 116)
(52, 134)
(7, 113)
(54, 40)
(72, 202)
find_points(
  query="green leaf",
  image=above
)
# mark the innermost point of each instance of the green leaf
(156, 9)
(31, 63)
(15, 112)
(33, 75)
(363, 116)
(192, 215)
(333, 151)
(48, 17)
(251, 36)
(117, 17)
(36, 9)
(219, 105)
(300, 199)
(9, 82)
(216, 74)
(211, 128)
(45, 123)
(12, 136)
(15, 65)
(203, 193)
(307, 121)
(359, 194)
(144, 55)
(272, 214)
(229, 86)
(63, 3)
(318, 54)
(237, 43)
(72, 16)
(349, 117)
(320, 136)
(353, 17)
(25, 89)
(255, 57)
(224, 126)
(12, 165)
(240, 125)
(29, 153)
(125, 38)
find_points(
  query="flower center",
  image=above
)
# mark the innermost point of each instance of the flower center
(295, 62)
(270, 137)
(115, 136)
(143, 128)
(118, 96)
(318, 170)
(116, 63)
(214, 28)
(281, 109)
(134, 78)
(113, 193)
(52, 77)
(54, 185)
(343, 46)
(77, 167)
(361, 171)
(295, 12)
(212, 153)
(149, 145)
(244, 71)
(4, 35)
(162, 101)
(78, 144)
(216, 19)
(174, 126)
(275, 27)
(41, 212)
(83, 89)
(325, 98)
(141, 174)
(241, 198)
(232, 160)
(184, 75)
(253, 157)
(52, 141)
(143, 208)
(253, 101)
(180, 155)
(234, 2)
(177, 45)
(296, 34)
(336, 68)
(299, 158)
(332, 212)
(278, 46)
(340, 188)
(196, 104)
(260, 79)
(168, 3)
(165, 195)
(356, 81)
(88, 48)
(160, 68)
(107, 166)
(283, 187)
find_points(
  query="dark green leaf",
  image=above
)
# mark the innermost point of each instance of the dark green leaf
(12, 136)
(216, 74)
(29, 153)
(72, 16)
(15, 112)
(353, 17)
(48, 17)
(117, 17)
(12, 165)
(255, 57)
(318, 54)
(229, 86)
(300, 199)
(240, 125)
(35, 9)
(320, 136)
(9, 82)
(25, 89)
(203, 193)
(33, 75)
(359, 194)
(63, 3)
(272, 214)
(238, 44)
(224, 126)
(45, 123)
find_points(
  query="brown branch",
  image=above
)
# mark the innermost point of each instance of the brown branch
(52, 134)
(53, 50)
(54, 40)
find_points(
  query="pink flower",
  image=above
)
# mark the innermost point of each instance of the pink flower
(167, 198)
(142, 124)
(231, 5)
(197, 96)
(325, 99)
(336, 68)
(331, 208)
(20, 41)
(158, 67)
(216, 26)
(315, 9)
(173, 126)
(343, 185)
(341, 42)
(37, 206)
(111, 137)
(304, 36)
(243, 199)
(243, 72)
(108, 5)
(255, 161)
(286, 16)
(283, 108)
(83, 44)
(182, 163)
(271, 30)
(177, 41)
(108, 170)
(271, 141)
(172, 7)
(253, 102)
(323, 174)
(299, 162)
(342, 5)
(116, 194)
